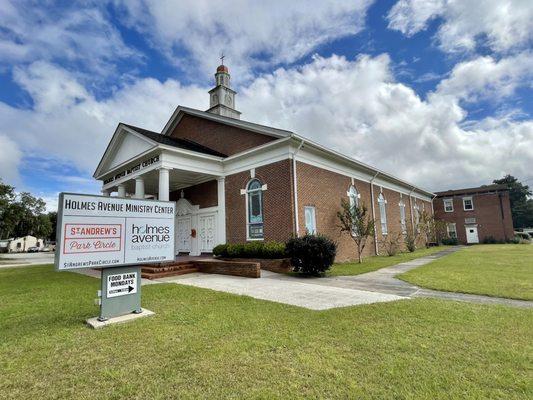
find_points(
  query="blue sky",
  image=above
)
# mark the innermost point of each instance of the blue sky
(436, 92)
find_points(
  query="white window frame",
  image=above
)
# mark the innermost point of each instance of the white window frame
(247, 200)
(450, 203)
(383, 213)
(403, 220)
(416, 213)
(353, 196)
(471, 202)
(312, 210)
(454, 229)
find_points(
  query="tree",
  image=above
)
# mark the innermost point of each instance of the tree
(22, 214)
(7, 197)
(52, 216)
(355, 221)
(521, 207)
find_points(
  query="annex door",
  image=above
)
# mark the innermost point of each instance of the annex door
(183, 234)
(207, 225)
(471, 234)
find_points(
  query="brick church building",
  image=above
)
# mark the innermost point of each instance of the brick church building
(236, 181)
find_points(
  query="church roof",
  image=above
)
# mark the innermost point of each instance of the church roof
(175, 142)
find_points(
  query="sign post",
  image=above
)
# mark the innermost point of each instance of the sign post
(115, 235)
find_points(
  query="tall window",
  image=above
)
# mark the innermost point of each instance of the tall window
(402, 216)
(452, 230)
(310, 220)
(468, 204)
(353, 196)
(416, 211)
(383, 213)
(448, 205)
(254, 198)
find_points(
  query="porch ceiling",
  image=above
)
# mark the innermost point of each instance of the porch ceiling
(178, 179)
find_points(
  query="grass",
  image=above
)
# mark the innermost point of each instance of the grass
(206, 344)
(376, 262)
(494, 270)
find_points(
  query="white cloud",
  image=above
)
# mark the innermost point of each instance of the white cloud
(485, 77)
(359, 109)
(78, 33)
(10, 157)
(251, 34)
(502, 25)
(354, 106)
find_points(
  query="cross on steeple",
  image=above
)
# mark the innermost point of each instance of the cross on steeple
(222, 56)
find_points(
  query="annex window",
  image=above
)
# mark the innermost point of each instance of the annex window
(310, 220)
(452, 230)
(448, 205)
(254, 205)
(354, 196)
(402, 216)
(468, 204)
(383, 213)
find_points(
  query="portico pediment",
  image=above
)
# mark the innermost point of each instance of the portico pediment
(124, 146)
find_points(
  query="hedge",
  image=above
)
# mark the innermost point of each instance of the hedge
(268, 250)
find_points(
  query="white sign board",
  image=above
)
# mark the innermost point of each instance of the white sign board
(121, 284)
(100, 231)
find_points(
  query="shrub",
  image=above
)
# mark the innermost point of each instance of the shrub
(410, 239)
(311, 254)
(515, 240)
(391, 243)
(250, 250)
(523, 235)
(449, 241)
(490, 240)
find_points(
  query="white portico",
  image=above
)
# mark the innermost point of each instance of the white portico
(145, 165)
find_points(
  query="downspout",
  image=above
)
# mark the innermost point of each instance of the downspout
(376, 248)
(411, 210)
(295, 185)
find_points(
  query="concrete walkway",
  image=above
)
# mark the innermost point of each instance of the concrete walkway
(384, 281)
(274, 287)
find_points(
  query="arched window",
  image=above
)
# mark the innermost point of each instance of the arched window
(254, 206)
(416, 211)
(353, 195)
(402, 216)
(383, 213)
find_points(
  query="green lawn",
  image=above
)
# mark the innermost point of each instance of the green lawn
(205, 344)
(376, 262)
(503, 270)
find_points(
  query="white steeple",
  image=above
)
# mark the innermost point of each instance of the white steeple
(222, 97)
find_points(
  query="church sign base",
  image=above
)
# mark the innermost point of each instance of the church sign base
(121, 292)
(95, 322)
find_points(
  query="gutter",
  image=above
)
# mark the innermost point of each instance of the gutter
(376, 248)
(295, 185)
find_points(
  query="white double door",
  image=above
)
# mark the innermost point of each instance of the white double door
(196, 234)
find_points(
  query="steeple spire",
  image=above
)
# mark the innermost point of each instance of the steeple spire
(222, 97)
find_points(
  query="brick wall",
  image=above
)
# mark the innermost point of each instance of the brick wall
(324, 189)
(277, 203)
(203, 195)
(217, 136)
(492, 212)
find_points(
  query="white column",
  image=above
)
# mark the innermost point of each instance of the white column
(163, 184)
(221, 225)
(139, 188)
(121, 190)
(106, 193)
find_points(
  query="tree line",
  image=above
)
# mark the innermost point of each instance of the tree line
(22, 214)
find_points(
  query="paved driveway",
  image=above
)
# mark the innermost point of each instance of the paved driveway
(22, 259)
